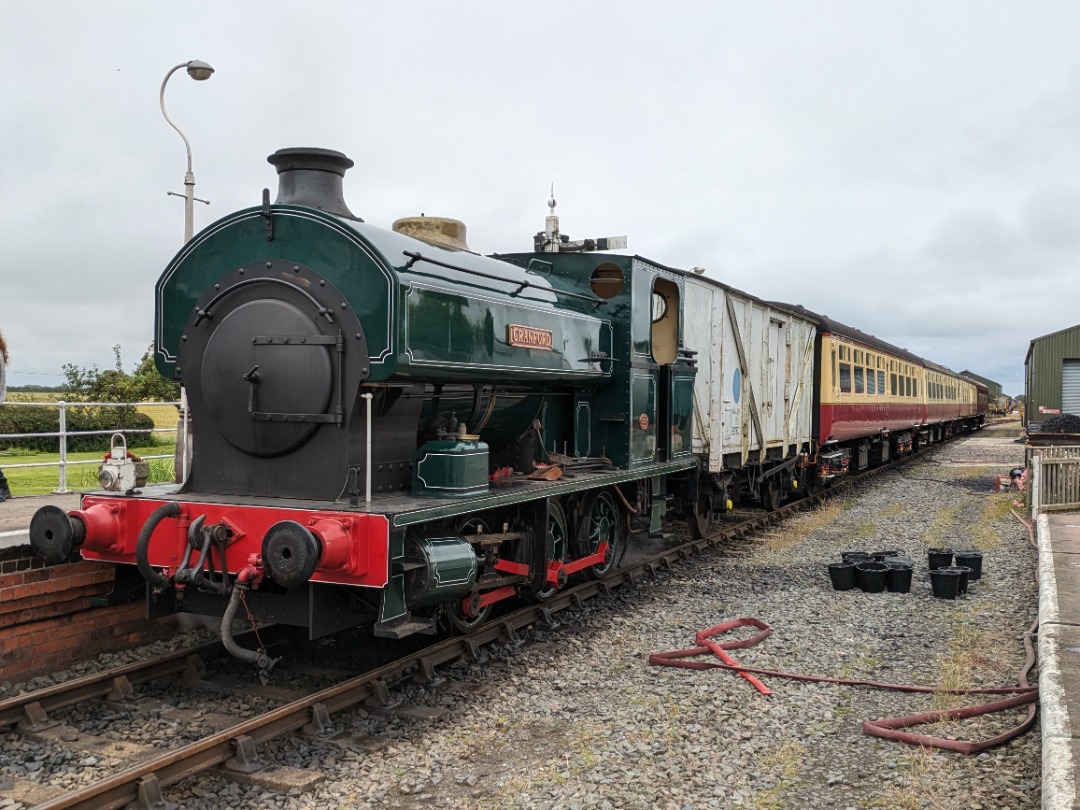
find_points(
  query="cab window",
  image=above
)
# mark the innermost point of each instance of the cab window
(665, 321)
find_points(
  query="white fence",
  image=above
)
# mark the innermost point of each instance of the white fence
(63, 434)
(1055, 478)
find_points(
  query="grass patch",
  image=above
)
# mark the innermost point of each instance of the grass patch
(917, 785)
(996, 508)
(787, 535)
(43, 480)
(786, 762)
(893, 510)
(956, 668)
(969, 473)
(942, 528)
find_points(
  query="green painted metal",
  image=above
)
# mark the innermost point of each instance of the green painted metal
(643, 416)
(682, 413)
(392, 605)
(413, 512)
(302, 236)
(624, 413)
(447, 570)
(583, 426)
(452, 468)
(422, 321)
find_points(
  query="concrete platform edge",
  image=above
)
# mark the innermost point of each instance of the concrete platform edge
(1058, 777)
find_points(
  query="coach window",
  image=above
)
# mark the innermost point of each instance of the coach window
(871, 384)
(845, 378)
(858, 379)
(881, 383)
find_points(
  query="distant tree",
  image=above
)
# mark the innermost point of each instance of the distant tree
(143, 384)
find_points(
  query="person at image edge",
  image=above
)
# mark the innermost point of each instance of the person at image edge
(5, 491)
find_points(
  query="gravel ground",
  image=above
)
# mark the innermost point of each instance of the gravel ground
(576, 717)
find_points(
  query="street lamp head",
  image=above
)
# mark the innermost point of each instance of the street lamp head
(198, 70)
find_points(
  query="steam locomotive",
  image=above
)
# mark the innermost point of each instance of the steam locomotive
(390, 429)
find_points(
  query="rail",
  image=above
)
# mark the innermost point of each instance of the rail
(63, 434)
(1055, 478)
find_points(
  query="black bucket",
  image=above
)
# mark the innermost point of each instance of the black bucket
(940, 557)
(882, 556)
(899, 561)
(945, 582)
(964, 573)
(898, 578)
(854, 556)
(842, 575)
(973, 560)
(870, 575)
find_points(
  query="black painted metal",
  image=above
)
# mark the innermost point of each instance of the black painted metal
(272, 335)
(312, 177)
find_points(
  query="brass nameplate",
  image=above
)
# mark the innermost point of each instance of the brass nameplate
(528, 337)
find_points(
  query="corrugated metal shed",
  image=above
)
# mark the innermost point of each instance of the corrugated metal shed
(1043, 366)
(993, 389)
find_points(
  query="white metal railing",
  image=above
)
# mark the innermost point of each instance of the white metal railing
(63, 434)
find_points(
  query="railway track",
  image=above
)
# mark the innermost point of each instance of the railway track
(233, 749)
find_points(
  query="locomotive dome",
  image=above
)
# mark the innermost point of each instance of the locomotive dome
(439, 231)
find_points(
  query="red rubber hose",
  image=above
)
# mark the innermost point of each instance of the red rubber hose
(888, 728)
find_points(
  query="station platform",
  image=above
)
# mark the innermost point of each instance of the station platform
(15, 515)
(1059, 657)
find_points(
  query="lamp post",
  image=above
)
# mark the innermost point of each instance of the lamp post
(199, 71)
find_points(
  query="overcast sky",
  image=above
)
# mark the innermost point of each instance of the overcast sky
(909, 168)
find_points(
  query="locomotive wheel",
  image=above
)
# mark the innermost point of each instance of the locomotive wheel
(701, 519)
(457, 623)
(770, 498)
(556, 547)
(601, 522)
(698, 497)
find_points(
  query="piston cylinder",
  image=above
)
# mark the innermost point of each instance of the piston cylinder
(440, 569)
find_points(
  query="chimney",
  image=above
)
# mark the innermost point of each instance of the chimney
(312, 177)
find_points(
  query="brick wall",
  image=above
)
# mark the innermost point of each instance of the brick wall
(53, 616)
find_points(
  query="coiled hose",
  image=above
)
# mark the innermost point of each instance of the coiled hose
(142, 546)
(888, 728)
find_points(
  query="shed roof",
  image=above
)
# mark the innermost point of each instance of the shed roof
(1031, 345)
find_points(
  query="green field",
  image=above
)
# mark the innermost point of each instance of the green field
(43, 480)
